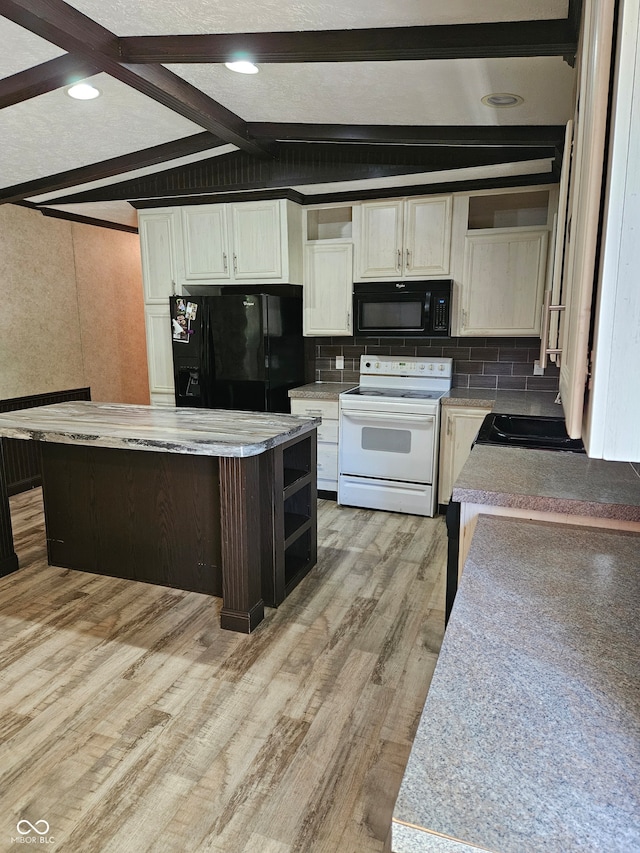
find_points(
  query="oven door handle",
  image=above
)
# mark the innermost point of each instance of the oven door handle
(389, 417)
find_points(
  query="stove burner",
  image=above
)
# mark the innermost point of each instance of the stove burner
(398, 393)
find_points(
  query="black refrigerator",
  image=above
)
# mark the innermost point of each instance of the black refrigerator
(238, 347)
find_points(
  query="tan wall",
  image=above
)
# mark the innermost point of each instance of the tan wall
(111, 307)
(72, 312)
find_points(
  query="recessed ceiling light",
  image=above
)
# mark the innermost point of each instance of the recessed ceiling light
(242, 66)
(500, 100)
(83, 92)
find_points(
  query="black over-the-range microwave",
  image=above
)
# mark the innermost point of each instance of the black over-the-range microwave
(420, 309)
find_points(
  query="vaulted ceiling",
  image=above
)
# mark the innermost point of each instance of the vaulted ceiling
(366, 97)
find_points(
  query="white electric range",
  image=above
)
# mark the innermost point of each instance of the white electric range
(389, 428)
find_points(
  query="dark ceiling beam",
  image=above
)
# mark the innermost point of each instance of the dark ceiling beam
(109, 168)
(302, 164)
(76, 217)
(462, 136)
(454, 41)
(64, 26)
(43, 78)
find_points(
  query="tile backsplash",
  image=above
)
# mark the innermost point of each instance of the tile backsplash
(502, 363)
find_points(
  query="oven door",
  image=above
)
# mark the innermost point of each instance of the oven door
(388, 445)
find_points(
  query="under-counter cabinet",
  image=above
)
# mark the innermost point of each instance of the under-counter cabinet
(248, 241)
(403, 238)
(503, 283)
(328, 286)
(327, 451)
(459, 426)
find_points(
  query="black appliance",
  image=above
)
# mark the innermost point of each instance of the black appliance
(420, 309)
(533, 432)
(238, 347)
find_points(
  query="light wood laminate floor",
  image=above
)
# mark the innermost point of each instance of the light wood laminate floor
(130, 721)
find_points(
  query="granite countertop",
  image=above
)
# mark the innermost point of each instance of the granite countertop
(549, 481)
(506, 402)
(200, 432)
(321, 390)
(530, 735)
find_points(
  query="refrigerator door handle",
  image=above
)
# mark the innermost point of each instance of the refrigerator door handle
(206, 358)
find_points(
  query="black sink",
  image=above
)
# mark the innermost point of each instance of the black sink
(534, 431)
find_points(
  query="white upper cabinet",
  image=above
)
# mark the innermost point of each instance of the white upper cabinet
(379, 239)
(328, 286)
(403, 238)
(503, 282)
(206, 243)
(242, 242)
(427, 238)
(256, 231)
(159, 244)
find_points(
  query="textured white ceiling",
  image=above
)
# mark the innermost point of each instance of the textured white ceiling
(210, 16)
(414, 93)
(53, 133)
(21, 49)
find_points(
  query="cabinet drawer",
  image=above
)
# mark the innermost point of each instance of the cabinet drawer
(315, 408)
(328, 432)
(327, 461)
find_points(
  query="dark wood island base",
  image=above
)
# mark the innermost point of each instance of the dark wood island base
(239, 526)
(8, 557)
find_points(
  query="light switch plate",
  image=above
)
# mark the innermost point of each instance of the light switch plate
(339, 362)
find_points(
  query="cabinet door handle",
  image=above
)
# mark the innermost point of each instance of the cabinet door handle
(408, 259)
(235, 263)
(224, 261)
(314, 412)
(399, 264)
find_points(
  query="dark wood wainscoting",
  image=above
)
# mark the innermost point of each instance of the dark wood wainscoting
(22, 458)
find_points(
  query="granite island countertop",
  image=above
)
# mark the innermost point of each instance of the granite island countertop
(529, 741)
(201, 432)
(548, 481)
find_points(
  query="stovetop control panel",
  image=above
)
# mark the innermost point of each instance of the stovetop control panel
(408, 366)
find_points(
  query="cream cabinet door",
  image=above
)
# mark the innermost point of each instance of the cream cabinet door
(328, 288)
(159, 248)
(427, 241)
(503, 283)
(459, 427)
(380, 239)
(256, 241)
(327, 454)
(159, 354)
(205, 240)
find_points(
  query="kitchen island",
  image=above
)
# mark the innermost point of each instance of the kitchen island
(214, 501)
